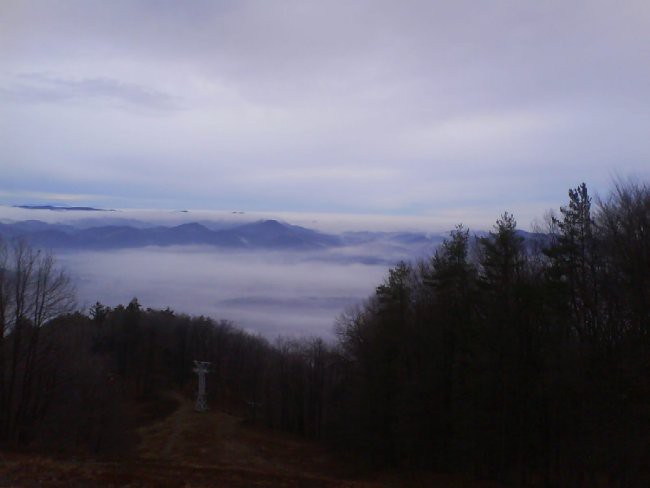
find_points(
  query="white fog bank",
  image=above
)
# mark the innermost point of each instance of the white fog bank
(270, 293)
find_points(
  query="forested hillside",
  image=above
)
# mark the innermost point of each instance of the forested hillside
(520, 361)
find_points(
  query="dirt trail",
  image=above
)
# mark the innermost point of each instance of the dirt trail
(217, 440)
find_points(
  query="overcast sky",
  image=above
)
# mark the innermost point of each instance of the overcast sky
(359, 107)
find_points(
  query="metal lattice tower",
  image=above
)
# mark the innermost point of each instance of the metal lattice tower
(201, 368)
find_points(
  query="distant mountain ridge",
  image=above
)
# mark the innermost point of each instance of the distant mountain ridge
(267, 234)
(263, 234)
(63, 208)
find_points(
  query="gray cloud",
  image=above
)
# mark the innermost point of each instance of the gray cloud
(41, 88)
(367, 107)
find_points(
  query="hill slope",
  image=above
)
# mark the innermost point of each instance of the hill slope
(213, 449)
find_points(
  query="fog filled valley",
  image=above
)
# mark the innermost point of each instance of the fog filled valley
(510, 357)
(268, 277)
(266, 292)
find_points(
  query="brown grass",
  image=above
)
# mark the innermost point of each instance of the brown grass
(213, 449)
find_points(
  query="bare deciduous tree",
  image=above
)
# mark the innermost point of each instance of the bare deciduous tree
(33, 290)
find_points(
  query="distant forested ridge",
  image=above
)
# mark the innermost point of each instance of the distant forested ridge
(265, 234)
(520, 360)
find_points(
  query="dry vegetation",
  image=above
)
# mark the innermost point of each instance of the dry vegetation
(189, 449)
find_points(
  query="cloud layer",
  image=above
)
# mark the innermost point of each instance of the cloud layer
(270, 293)
(368, 107)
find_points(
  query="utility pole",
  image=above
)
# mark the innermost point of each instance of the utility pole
(201, 369)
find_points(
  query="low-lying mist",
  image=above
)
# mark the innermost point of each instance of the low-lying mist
(267, 292)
